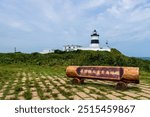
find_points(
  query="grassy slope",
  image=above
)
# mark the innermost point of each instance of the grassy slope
(114, 58)
(55, 63)
(9, 71)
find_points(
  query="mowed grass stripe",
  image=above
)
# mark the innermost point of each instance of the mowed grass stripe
(8, 86)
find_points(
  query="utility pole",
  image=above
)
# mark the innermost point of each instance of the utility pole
(15, 49)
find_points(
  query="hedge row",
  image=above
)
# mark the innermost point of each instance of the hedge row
(113, 58)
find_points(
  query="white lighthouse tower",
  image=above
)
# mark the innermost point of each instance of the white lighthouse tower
(94, 40)
(94, 45)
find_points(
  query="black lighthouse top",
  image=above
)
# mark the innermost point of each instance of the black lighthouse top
(95, 33)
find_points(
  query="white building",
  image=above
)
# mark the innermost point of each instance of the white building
(94, 45)
(46, 51)
(71, 47)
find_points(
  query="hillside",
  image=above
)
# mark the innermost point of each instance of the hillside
(114, 58)
(36, 76)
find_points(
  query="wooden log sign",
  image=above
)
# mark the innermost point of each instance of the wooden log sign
(125, 74)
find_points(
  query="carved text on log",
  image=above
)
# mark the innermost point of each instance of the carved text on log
(100, 72)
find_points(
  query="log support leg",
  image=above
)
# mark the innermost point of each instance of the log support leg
(82, 81)
(77, 81)
(121, 86)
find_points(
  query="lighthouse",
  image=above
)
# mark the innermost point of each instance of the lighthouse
(94, 40)
(94, 45)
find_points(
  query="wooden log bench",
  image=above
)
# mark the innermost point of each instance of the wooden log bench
(121, 75)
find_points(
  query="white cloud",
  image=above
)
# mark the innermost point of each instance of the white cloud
(114, 10)
(123, 7)
(92, 4)
(140, 15)
(16, 24)
(66, 21)
(19, 25)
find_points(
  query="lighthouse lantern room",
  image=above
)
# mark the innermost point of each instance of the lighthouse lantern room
(94, 40)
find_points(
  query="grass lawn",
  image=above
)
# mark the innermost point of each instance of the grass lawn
(40, 82)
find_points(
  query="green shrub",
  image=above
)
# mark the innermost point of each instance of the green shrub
(79, 57)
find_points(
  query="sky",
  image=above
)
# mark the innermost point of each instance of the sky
(36, 25)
